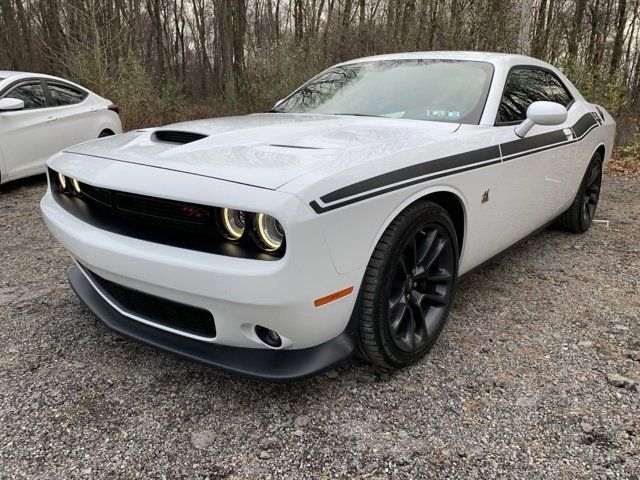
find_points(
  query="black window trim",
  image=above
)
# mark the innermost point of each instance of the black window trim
(27, 81)
(497, 123)
(54, 81)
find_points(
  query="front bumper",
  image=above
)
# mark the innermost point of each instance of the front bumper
(261, 364)
(240, 293)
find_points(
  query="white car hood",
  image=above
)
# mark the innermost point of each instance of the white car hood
(269, 150)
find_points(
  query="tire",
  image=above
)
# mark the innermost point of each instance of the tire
(408, 287)
(579, 216)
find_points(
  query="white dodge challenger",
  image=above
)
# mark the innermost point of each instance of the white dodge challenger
(276, 245)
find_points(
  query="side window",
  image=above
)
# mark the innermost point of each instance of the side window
(32, 94)
(65, 94)
(523, 87)
(558, 90)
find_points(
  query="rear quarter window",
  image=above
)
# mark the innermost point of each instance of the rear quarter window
(62, 94)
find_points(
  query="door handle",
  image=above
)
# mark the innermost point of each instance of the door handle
(51, 119)
(92, 109)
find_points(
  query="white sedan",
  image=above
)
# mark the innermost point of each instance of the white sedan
(40, 115)
(275, 245)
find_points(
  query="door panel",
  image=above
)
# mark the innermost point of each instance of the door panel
(73, 125)
(74, 113)
(536, 171)
(537, 167)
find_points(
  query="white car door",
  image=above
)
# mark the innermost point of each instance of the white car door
(25, 135)
(536, 168)
(74, 115)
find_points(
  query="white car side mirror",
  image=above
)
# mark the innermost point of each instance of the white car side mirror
(11, 104)
(542, 113)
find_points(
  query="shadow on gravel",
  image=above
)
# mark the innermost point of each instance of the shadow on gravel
(28, 182)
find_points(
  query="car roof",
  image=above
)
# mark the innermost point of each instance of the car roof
(492, 57)
(13, 73)
(8, 76)
(10, 73)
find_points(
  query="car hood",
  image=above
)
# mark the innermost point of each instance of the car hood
(267, 150)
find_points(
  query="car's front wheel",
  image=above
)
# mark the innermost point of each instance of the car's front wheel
(408, 287)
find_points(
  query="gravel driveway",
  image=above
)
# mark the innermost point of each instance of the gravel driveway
(536, 375)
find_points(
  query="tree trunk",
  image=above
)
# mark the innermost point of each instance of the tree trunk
(617, 43)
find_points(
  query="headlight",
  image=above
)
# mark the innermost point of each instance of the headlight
(233, 222)
(61, 182)
(270, 232)
(75, 186)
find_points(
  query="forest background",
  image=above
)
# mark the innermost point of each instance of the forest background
(163, 61)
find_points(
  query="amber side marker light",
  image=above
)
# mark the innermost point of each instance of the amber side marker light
(334, 296)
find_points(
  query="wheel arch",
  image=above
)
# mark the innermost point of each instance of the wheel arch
(448, 198)
(601, 150)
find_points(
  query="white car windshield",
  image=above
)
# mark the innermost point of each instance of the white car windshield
(436, 90)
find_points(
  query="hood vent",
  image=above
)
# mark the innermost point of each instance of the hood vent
(179, 137)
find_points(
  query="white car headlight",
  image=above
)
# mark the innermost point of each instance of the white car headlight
(270, 232)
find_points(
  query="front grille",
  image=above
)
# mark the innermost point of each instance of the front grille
(176, 136)
(100, 195)
(169, 222)
(164, 209)
(168, 313)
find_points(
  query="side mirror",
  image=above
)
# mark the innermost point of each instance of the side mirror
(11, 104)
(542, 113)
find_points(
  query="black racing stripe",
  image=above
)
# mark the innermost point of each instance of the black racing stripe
(590, 129)
(548, 147)
(413, 171)
(584, 124)
(319, 209)
(517, 149)
(530, 143)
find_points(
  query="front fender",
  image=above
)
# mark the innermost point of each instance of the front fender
(352, 232)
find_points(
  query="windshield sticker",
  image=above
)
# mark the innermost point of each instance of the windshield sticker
(443, 113)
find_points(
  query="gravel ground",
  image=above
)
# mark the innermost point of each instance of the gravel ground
(536, 375)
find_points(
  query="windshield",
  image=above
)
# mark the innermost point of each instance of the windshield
(437, 90)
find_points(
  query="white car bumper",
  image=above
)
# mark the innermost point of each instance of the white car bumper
(240, 293)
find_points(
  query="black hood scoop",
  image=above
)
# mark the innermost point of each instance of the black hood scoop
(179, 137)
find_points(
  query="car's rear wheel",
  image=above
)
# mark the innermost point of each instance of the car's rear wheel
(408, 287)
(579, 216)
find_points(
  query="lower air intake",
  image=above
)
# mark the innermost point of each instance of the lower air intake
(193, 320)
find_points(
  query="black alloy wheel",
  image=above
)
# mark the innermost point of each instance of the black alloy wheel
(421, 287)
(408, 287)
